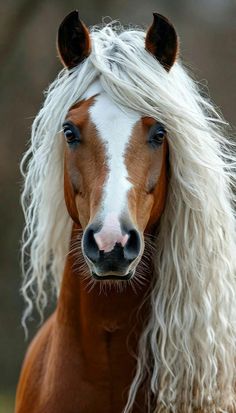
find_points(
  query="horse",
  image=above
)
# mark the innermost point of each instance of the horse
(128, 201)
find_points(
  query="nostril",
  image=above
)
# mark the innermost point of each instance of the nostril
(133, 245)
(90, 246)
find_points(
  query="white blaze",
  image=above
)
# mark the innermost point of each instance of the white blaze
(114, 126)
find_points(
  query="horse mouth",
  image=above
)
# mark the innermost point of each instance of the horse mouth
(113, 277)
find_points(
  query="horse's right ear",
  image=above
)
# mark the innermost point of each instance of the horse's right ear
(73, 40)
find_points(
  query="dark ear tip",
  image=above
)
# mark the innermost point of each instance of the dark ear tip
(73, 13)
(72, 16)
(159, 17)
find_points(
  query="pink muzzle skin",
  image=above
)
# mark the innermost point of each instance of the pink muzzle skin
(110, 234)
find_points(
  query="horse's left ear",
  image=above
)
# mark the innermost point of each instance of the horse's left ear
(73, 40)
(162, 41)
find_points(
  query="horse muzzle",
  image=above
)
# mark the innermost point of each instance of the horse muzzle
(116, 262)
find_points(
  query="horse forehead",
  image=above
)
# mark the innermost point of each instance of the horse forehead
(114, 124)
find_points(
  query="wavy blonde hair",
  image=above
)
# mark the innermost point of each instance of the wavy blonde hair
(187, 350)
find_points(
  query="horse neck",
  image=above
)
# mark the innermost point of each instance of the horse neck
(110, 309)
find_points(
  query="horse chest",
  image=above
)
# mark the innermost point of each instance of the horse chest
(89, 377)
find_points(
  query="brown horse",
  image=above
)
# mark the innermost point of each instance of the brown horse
(119, 166)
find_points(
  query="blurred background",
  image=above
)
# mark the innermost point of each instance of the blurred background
(29, 62)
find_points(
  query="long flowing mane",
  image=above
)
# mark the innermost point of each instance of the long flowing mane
(187, 349)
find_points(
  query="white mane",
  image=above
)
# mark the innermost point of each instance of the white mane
(188, 347)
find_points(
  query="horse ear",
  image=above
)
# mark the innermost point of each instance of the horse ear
(73, 40)
(162, 41)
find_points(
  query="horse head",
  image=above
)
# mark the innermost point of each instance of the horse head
(115, 167)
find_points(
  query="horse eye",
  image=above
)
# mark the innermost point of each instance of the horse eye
(156, 136)
(71, 133)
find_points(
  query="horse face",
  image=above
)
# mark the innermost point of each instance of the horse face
(115, 160)
(115, 181)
